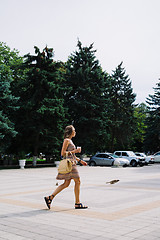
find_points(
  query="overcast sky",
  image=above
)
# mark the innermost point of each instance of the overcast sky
(122, 30)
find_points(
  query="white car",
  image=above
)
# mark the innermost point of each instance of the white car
(121, 161)
(157, 157)
(133, 159)
(148, 159)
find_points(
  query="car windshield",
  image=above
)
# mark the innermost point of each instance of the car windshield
(131, 153)
(143, 155)
(113, 155)
(138, 154)
(158, 153)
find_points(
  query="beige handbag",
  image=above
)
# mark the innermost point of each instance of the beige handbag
(65, 165)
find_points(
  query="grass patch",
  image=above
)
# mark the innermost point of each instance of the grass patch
(38, 160)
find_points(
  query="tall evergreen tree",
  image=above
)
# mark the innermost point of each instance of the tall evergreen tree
(140, 114)
(122, 121)
(152, 139)
(9, 59)
(86, 98)
(41, 115)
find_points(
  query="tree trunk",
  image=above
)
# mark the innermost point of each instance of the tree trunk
(112, 141)
(36, 146)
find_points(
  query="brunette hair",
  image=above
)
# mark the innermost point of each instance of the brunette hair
(68, 131)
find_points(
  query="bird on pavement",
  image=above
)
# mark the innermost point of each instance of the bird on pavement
(113, 181)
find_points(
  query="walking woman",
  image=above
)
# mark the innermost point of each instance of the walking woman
(69, 147)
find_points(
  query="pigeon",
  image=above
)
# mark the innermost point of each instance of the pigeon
(113, 181)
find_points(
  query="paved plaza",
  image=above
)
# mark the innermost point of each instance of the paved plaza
(127, 210)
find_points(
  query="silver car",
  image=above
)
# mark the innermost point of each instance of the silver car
(107, 159)
(157, 157)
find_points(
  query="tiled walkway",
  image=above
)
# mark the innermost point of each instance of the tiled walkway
(127, 210)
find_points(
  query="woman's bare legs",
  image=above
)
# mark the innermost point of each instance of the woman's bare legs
(65, 185)
(61, 187)
(77, 189)
(78, 204)
(58, 189)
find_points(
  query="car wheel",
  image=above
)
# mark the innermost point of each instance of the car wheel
(141, 164)
(133, 163)
(125, 165)
(92, 164)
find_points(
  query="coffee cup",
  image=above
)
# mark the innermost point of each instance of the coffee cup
(79, 148)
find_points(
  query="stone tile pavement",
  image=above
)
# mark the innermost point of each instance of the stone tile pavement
(127, 210)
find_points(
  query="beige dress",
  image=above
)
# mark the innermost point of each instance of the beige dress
(74, 173)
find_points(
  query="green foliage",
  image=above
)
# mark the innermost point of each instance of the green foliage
(86, 99)
(40, 96)
(38, 160)
(152, 138)
(122, 122)
(140, 114)
(41, 115)
(9, 62)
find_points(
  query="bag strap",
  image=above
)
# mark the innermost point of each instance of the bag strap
(70, 154)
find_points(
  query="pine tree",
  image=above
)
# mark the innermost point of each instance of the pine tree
(9, 59)
(122, 121)
(41, 115)
(152, 138)
(140, 114)
(86, 98)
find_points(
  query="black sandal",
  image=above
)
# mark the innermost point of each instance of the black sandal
(48, 201)
(80, 206)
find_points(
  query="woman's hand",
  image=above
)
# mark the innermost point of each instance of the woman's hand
(83, 163)
(77, 150)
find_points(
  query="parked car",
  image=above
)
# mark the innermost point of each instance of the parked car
(107, 159)
(133, 159)
(157, 157)
(148, 159)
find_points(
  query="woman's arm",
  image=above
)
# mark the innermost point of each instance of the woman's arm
(64, 147)
(81, 161)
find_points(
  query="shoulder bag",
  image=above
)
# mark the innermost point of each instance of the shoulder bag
(65, 165)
